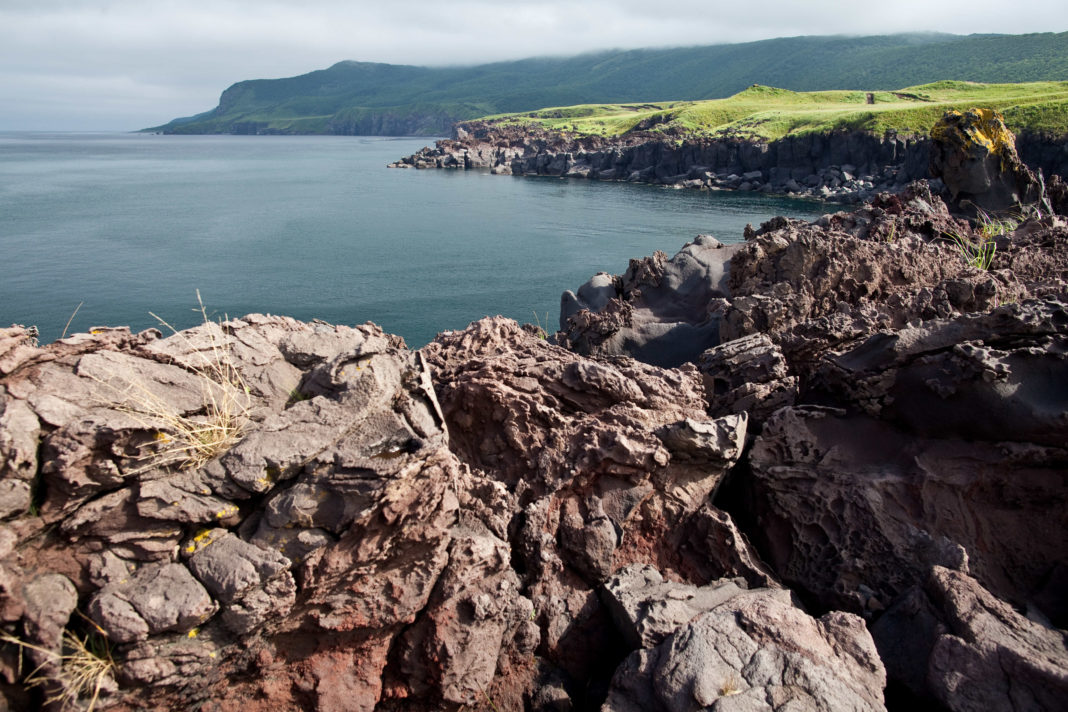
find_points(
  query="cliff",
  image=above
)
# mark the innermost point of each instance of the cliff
(842, 166)
(835, 478)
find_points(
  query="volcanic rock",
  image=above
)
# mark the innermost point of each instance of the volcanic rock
(753, 650)
(975, 156)
(660, 310)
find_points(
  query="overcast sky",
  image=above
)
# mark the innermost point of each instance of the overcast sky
(128, 64)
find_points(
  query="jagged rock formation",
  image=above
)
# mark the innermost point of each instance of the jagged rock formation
(975, 156)
(848, 472)
(906, 414)
(346, 553)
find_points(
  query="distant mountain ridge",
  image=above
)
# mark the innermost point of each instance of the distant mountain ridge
(367, 98)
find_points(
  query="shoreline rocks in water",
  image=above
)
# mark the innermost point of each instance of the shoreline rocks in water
(835, 479)
(845, 168)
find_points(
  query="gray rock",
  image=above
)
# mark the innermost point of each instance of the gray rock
(253, 584)
(647, 609)
(50, 601)
(988, 656)
(664, 313)
(156, 599)
(14, 497)
(715, 441)
(228, 566)
(185, 498)
(755, 651)
(19, 439)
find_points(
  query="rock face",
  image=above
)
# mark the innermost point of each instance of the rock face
(975, 156)
(845, 167)
(285, 567)
(906, 416)
(373, 537)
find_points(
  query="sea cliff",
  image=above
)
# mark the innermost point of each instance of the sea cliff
(845, 166)
(823, 469)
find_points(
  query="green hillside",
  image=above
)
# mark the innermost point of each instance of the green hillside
(366, 98)
(768, 113)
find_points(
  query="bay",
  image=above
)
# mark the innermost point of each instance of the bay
(316, 227)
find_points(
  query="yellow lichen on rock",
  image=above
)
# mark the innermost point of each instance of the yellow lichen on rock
(976, 127)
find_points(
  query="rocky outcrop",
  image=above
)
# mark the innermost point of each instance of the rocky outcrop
(904, 418)
(975, 156)
(838, 466)
(895, 450)
(660, 311)
(261, 572)
(372, 537)
(841, 167)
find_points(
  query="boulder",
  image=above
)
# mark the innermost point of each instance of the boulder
(952, 641)
(661, 310)
(974, 154)
(752, 650)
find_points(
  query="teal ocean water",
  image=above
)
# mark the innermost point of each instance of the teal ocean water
(315, 227)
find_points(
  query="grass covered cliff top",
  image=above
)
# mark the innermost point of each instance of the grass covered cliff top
(766, 113)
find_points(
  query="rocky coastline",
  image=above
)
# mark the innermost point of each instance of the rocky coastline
(823, 469)
(844, 167)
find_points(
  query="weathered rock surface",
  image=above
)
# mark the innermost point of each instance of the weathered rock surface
(906, 409)
(957, 643)
(974, 155)
(343, 552)
(903, 457)
(602, 465)
(306, 547)
(660, 311)
(752, 650)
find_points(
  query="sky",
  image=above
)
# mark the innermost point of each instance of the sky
(119, 65)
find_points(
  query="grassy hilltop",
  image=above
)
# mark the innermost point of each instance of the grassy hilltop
(387, 99)
(766, 113)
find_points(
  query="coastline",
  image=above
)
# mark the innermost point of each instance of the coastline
(822, 467)
(838, 167)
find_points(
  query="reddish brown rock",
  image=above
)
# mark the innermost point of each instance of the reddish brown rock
(607, 462)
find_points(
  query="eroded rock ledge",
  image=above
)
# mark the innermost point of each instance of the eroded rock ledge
(842, 167)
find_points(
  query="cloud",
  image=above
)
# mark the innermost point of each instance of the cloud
(143, 62)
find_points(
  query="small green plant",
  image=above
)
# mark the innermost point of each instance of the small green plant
(190, 441)
(84, 667)
(296, 396)
(979, 254)
(990, 226)
(543, 332)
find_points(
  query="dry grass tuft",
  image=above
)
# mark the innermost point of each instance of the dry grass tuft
(731, 685)
(190, 441)
(85, 669)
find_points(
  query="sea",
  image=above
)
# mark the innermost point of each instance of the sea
(109, 229)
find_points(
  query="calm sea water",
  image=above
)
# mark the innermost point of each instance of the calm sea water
(315, 227)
